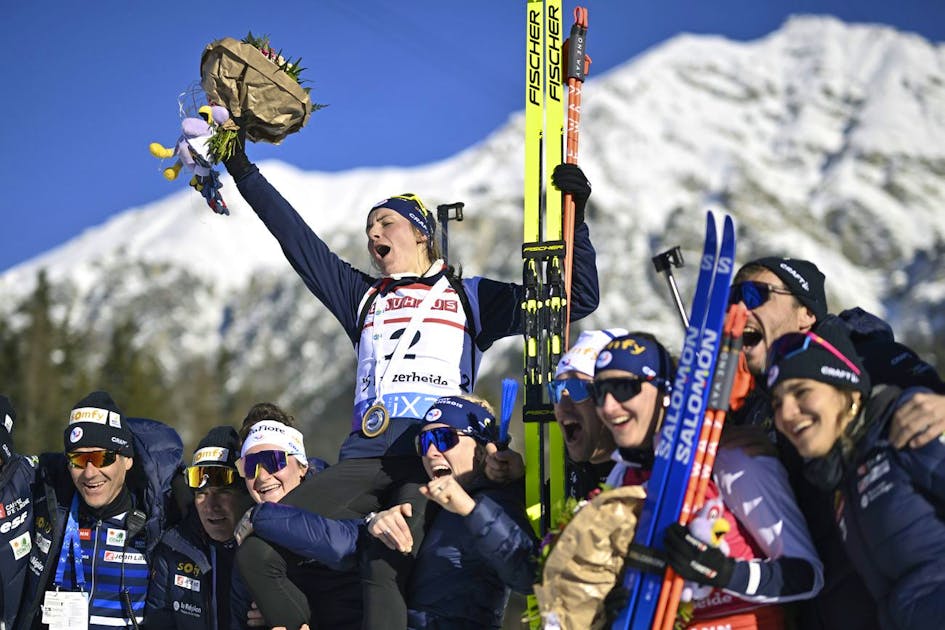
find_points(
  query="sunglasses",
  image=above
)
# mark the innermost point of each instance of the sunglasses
(99, 459)
(209, 476)
(753, 294)
(622, 389)
(443, 438)
(793, 344)
(577, 390)
(272, 461)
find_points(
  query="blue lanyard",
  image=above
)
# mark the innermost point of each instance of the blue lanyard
(71, 542)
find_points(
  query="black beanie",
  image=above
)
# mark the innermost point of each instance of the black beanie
(802, 278)
(789, 359)
(7, 416)
(220, 447)
(97, 422)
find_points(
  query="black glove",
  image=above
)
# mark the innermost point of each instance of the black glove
(569, 178)
(238, 165)
(615, 601)
(694, 560)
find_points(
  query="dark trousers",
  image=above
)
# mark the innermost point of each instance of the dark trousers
(350, 489)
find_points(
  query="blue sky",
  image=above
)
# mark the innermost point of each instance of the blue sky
(88, 85)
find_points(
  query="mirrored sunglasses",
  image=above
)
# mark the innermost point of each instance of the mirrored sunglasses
(792, 344)
(622, 389)
(272, 461)
(753, 294)
(576, 388)
(443, 438)
(99, 459)
(209, 476)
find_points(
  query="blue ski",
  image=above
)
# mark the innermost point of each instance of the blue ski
(682, 423)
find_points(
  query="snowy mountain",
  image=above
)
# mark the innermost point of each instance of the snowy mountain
(824, 140)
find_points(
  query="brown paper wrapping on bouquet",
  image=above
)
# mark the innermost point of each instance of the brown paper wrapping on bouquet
(587, 557)
(270, 102)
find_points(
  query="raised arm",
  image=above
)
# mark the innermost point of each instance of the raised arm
(333, 281)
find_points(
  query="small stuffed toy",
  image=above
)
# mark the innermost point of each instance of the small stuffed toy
(709, 526)
(192, 149)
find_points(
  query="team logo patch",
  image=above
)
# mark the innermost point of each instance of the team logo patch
(75, 435)
(433, 415)
(21, 545)
(8, 526)
(186, 582)
(43, 543)
(211, 454)
(187, 609)
(129, 557)
(88, 414)
(85, 533)
(115, 537)
(604, 358)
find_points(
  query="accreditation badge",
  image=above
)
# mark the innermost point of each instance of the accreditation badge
(375, 420)
(66, 610)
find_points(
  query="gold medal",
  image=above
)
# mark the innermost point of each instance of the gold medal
(375, 420)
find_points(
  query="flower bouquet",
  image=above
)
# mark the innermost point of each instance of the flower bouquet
(261, 89)
(583, 558)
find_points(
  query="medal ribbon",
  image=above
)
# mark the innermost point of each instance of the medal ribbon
(380, 379)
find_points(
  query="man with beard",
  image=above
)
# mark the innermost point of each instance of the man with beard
(786, 295)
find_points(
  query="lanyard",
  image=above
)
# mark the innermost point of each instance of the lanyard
(71, 542)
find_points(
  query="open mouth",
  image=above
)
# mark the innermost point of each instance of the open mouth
(382, 250)
(751, 337)
(572, 431)
(441, 470)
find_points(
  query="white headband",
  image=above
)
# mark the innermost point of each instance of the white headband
(276, 434)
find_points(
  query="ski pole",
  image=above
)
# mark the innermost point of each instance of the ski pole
(664, 264)
(578, 64)
(443, 217)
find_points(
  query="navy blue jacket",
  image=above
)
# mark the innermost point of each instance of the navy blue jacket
(465, 565)
(843, 601)
(191, 578)
(16, 522)
(158, 451)
(886, 360)
(340, 287)
(890, 518)
(332, 584)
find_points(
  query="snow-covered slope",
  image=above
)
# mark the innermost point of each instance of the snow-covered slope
(824, 140)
